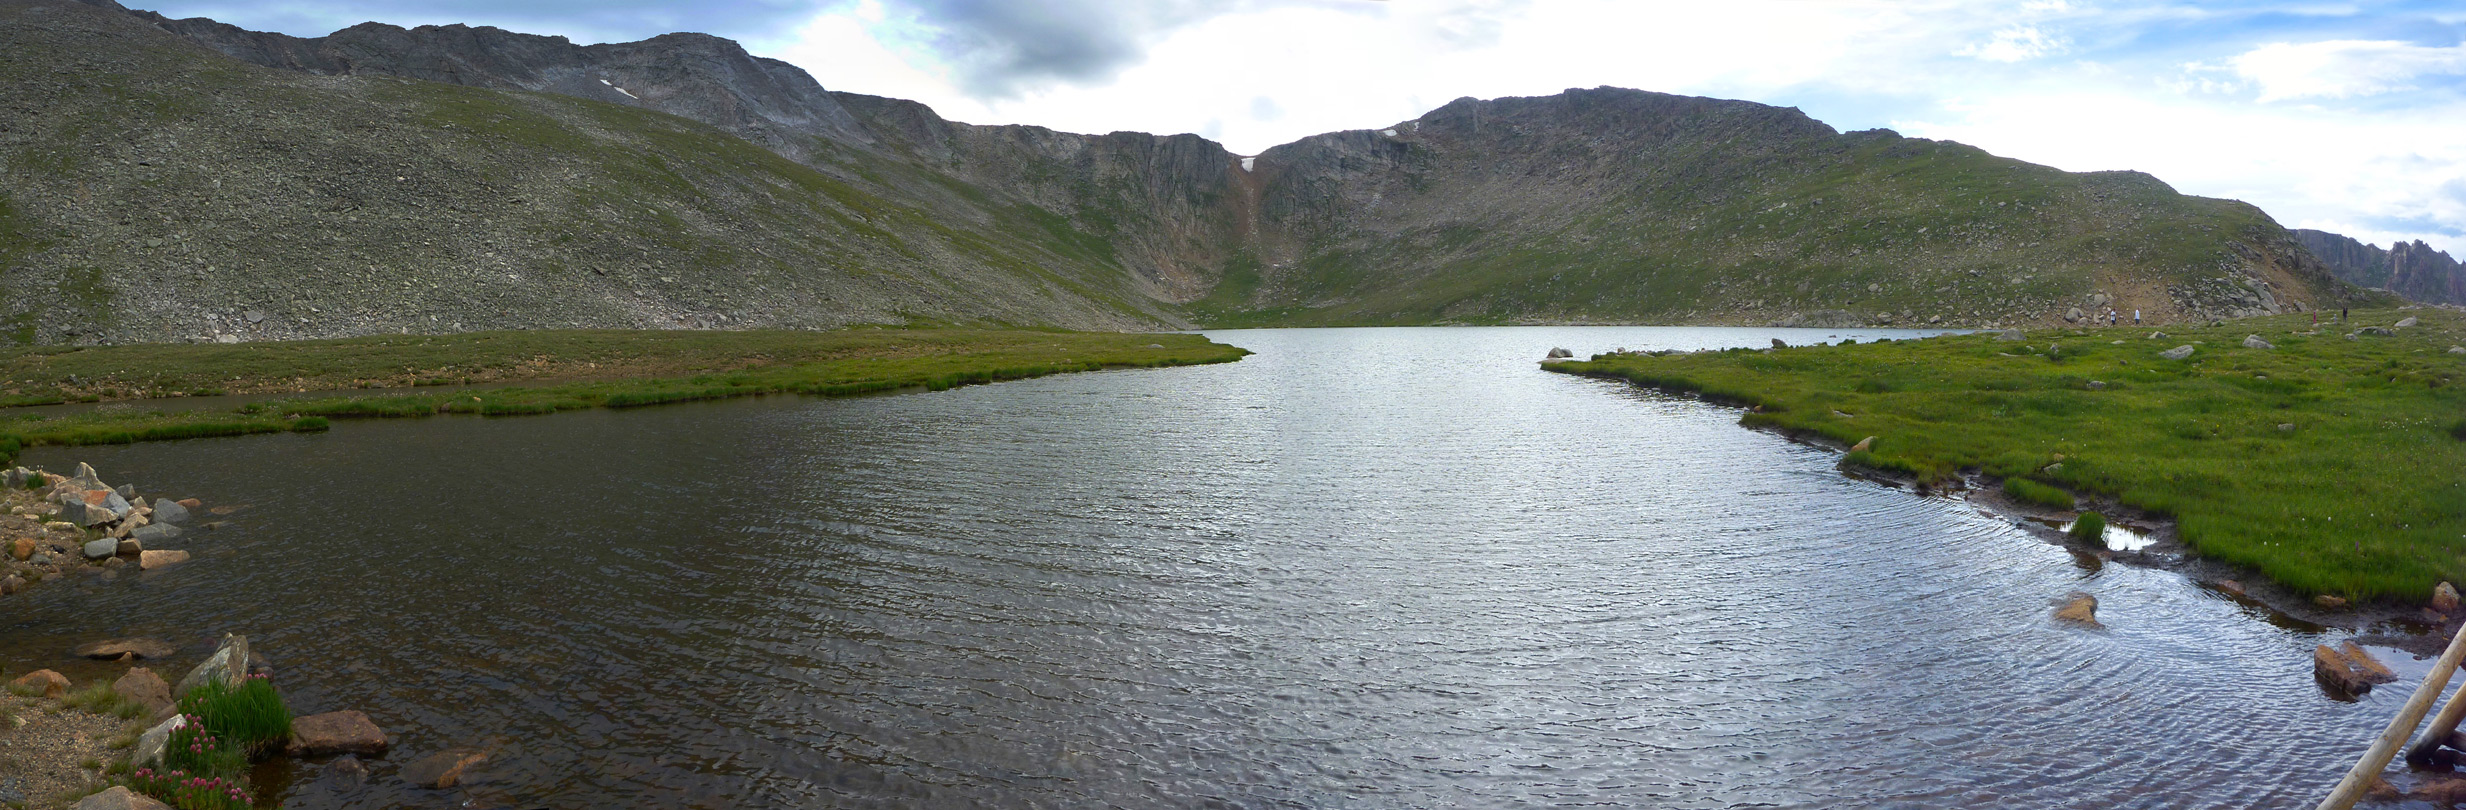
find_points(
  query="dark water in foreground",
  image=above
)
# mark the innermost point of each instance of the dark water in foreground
(1381, 568)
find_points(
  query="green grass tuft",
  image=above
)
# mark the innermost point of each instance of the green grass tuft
(2032, 492)
(2090, 526)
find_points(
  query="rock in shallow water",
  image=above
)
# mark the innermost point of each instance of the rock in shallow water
(110, 649)
(2348, 669)
(99, 549)
(150, 560)
(443, 769)
(170, 512)
(343, 732)
(2081, 609)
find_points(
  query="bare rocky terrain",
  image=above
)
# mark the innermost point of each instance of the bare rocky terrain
(186, 180)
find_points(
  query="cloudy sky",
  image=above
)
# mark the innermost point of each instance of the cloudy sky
(2344, 116)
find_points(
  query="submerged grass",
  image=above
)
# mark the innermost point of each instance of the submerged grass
(619, 369)
(2329, 465)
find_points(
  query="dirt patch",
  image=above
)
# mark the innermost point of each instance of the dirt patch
(45, 749)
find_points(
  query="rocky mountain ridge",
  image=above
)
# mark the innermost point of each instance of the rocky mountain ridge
(186, 179)
(2412, 269)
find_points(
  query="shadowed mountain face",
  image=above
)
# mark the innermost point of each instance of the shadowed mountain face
(2413, 270)
(186, 179)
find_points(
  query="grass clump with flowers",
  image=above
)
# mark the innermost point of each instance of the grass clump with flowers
(204, 760)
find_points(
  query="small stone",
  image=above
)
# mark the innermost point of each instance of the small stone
(11, 584)
(2157, 335)
(23, 548)
(156, 559)
(59, 526)
(2444, 598)
(2177, 353)
(443, 769)
(2410, 321)
(1863, 445)
(2457, 350)
(2255, 342)
(2096, 385)
(2375, 330)
(50, 684)
(101, 548)
(111, 649)
(2330, 602)
(131, 546)
(2081, 609)
(119, 798)
(343, 732)
(2286, 427)
(144, 688)
(190, 503)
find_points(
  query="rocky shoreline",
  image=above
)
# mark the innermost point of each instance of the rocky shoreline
(75, 524)
(2345, 672)
(103, 746)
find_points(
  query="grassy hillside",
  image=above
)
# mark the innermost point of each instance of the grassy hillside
(158, 191)
(545, 371)
(2330, 465)
(1620, 206)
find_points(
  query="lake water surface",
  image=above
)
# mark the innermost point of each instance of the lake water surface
(1376, 568)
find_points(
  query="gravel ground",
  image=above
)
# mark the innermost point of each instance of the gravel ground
(42, 752)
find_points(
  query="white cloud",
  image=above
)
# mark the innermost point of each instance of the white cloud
(2344, 68)
(2019, 43)
(1273, 72)
(2352, 175)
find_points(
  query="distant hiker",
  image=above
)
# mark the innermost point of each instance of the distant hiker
(2110, 317)
(2341, 314)
(2136, 317)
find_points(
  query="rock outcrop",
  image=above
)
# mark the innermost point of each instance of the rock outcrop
(2412, 269)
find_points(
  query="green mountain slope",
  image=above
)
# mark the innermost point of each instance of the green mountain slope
(168, 180)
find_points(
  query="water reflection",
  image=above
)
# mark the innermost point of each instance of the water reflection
(1363, 568)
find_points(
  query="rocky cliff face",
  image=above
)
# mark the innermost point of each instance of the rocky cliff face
(2413, 270)
(186, 179)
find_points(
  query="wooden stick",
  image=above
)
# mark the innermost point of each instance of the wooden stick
(2420, 754)
(2360, 778)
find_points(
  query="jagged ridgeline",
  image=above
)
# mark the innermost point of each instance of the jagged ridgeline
(184, 179)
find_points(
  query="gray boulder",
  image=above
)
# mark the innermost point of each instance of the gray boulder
(2457, 350)
(2177, 353)
(1557, 353)
(104, 547)
(2410, 321)
(1777, 344)
(2073, 314)
(2255, 342)
(2013, 335)
(2375, 330)
(228, 664)
(86, 478)
(153, 532)
(148, 751)
(170, 512)
(127, 491)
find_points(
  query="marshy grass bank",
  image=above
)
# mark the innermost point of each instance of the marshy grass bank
(2327, 458)
(534, 372)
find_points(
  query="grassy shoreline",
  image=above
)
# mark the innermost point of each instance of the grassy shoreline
(568, 369)
(2329, 465)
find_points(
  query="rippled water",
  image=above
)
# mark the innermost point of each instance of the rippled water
(1364, 568)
